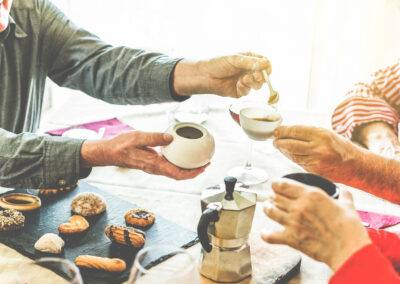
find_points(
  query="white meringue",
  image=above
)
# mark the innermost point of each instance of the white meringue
(50, 243)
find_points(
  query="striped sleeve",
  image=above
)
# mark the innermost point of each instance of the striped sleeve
(370, 102)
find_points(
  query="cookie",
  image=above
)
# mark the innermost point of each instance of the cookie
(50, 243)
(101, 263)
(88, 204)
(126, 235)
(56, 191)
(76, 224)
(30, 202)
(140, 218)
(11, 220)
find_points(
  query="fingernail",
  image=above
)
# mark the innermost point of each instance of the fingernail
(167, 137)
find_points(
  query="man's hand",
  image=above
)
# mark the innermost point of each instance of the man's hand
(327, 230)
(134, 150)
(318, 151)
(379, 137)
(230, 76)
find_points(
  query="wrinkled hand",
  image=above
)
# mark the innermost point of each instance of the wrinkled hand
(231, 76)
(327, 230)
(135, 150)
(317, 150)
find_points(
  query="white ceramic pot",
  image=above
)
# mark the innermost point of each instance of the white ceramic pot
(193, 145)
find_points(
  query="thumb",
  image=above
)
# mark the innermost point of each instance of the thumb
(153, 139)
(250, 63)
(346, 196)
(279, 237)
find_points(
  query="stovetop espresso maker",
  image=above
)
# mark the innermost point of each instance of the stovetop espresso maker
(223, 230)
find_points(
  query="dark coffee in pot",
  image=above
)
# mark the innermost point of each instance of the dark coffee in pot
(189, 132)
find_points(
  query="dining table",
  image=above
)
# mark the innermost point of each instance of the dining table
(179, 201)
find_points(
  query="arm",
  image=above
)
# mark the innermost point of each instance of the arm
(368, 265)
(327, 230)
(325, 153)
(31, 161)
(79, 60)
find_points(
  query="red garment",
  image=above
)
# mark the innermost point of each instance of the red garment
(374, 263)
(377, 101)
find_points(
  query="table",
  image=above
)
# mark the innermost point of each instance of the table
(161, 194)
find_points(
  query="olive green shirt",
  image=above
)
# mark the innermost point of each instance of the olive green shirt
(41, 42)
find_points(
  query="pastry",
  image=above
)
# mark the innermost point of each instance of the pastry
(50, 243)
(53, 192)
(11, 220)
(101, 263)
(140, 218)
(31, 202)
(126, 235)
(88, 204)
(76, 224)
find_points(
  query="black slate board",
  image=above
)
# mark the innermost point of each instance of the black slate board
(55, 211)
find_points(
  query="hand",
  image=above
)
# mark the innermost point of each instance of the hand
(230, 76)
(134, 150)
(327, 230)
(5, 7)
(379, 137)
(318, 151)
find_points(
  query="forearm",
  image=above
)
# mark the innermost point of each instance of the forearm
(373, 173)
(31, 161)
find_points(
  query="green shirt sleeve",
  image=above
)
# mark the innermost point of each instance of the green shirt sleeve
(31, 161)
(79, 60)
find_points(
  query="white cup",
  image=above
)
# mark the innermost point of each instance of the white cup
(257, 129)
(193, 145)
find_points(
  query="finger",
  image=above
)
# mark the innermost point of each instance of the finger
(249, 81)
(172, 171)
(282, 202)
(298, 132)
(250, 63)
(288, 188)
(346, 196)
(276, 214)
(241, 89)
(292, 146)
(258, 76)
(276, 238)
(152, 139)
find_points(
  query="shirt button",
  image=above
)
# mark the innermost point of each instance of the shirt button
(62, 182)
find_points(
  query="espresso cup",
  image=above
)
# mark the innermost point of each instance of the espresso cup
(193, 145)
(315, 180)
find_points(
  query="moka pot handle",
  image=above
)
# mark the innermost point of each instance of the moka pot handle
(211, 214)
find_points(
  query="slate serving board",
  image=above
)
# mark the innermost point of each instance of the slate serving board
(55, 211)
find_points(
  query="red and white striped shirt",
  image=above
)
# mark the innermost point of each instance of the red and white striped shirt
(377, 101)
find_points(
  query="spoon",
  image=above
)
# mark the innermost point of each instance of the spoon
(273, 95)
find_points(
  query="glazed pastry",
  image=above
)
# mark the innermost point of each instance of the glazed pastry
(126, 235)
(140, 218)
(11, 220)
(88, 204)
(31, 202)
(101, 263)
(76, 224)
(53, 192)
(50, 243)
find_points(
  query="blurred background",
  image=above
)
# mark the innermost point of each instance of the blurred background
(318, 48)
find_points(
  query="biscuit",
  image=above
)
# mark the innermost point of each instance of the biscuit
(50, 243)
(140, 218)
(76, 224)
(88, 204)
(126, 235)
(56, 191)
(101, 263)
(11, 220)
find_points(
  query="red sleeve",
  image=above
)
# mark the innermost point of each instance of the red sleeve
(367, 266)
(388, 243)
(370, 102)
